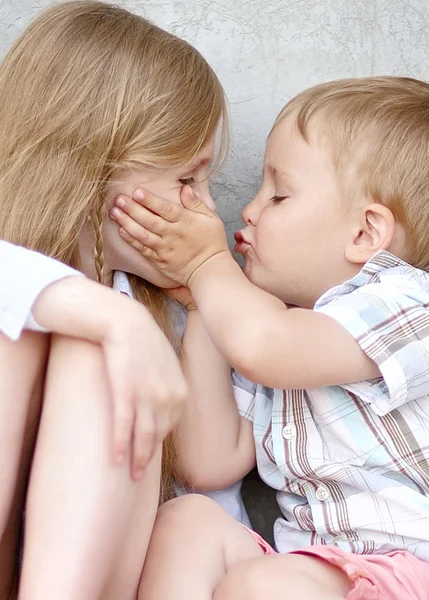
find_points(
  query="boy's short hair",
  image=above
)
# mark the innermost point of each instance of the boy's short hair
(377, 129)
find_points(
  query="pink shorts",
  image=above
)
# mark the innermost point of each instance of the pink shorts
(394, 576)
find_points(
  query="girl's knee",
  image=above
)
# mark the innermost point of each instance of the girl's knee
(185, 510)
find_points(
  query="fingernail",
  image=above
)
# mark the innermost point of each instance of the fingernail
(123, 232)
(190, 192)
(138, 474)
(138, 194)
(120, 201)
(115, 212)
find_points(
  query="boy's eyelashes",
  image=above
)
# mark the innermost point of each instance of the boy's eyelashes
(277, 199)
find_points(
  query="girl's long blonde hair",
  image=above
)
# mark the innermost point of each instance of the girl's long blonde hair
(89, 89)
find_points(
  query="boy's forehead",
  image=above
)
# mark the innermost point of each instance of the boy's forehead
(280, 145)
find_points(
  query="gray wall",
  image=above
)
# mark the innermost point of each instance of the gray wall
(265, 51)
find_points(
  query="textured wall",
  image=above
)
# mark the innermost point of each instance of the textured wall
(265, 51)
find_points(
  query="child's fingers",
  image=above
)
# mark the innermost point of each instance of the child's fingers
(141, 248)
(169, 211)
(191, 201)
(144, 440)
(140, 214)
(134, 230)
(123, 423)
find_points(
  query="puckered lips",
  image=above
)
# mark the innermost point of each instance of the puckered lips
(241, 244)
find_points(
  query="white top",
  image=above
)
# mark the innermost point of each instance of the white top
(24, 274)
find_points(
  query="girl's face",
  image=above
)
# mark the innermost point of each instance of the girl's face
(118, 255)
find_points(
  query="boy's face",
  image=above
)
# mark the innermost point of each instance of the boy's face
(298, 225)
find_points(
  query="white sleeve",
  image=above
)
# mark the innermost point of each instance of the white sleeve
(23, 275)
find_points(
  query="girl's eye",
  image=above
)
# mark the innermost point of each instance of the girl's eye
(277, 199)
(188, 181)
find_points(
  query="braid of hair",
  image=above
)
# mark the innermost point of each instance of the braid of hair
(97, 218)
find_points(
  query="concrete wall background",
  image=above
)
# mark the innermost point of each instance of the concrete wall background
(265, 51)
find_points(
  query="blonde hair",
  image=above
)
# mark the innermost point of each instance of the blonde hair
(377, 130)
(87, 90)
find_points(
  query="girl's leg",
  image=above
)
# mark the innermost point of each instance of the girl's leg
(22, 366)
(194, 543)
(83, 513)
(285, 576)
(199, 552)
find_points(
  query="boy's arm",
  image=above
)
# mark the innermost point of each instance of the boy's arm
(215, 444)
(261, 339)
(377, 335)
(268, 343)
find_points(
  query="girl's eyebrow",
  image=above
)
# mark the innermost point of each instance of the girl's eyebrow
(200, 162)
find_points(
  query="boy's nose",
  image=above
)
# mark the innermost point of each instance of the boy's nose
(250, 213)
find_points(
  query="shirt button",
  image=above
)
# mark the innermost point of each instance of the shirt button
(322, 494)
(289, 431)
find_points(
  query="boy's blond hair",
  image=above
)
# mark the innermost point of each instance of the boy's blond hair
(377, 129)
(90, 89)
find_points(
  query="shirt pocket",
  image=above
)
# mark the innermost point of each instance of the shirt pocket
(343, 430)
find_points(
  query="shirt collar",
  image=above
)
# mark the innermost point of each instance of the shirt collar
(121, 283)
(381, 261)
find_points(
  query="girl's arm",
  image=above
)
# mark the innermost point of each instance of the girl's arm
(23, 275)
(215, 444)
(147, 384)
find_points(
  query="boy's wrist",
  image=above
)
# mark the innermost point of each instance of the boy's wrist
(216, 263)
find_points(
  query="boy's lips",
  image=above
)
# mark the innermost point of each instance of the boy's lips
(241, 245)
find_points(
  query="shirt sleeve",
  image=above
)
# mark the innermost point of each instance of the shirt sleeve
(391, 325)
(244, 393)
(23, 275)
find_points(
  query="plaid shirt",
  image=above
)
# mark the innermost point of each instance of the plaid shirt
(351, 462)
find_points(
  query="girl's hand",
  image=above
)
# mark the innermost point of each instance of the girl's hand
(148, 388)
(177, 239)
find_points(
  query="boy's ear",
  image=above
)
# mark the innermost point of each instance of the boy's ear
(374, 231)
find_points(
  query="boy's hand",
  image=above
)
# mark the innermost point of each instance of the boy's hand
(177, 239)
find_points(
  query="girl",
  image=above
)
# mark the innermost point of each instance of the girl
(93, 101)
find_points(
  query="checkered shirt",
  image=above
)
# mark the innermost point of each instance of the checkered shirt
(351, 462)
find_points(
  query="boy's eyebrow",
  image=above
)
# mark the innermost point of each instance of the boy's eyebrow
(277, 173)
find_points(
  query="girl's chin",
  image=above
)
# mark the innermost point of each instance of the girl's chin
(164, 283)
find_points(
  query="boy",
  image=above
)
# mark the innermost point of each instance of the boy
(337, 233)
